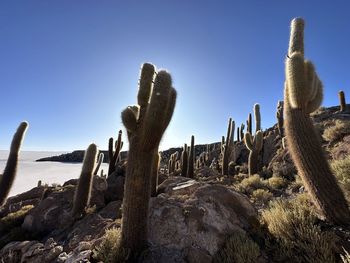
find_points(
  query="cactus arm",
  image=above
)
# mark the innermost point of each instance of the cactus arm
(8, 177)
(303, 93)
(99, 162)
(83, 189)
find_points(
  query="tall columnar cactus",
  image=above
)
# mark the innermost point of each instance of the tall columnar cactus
(83, 189)
(184, 161)
(145, 125)
(303, 95)
(99, 162)
(249, 124)
(254, 145)
(242, 132)
(227, 147)
(9, 174)
(257, 117)
(238, 137)
(114, 155)
(342, 101)
(279, 117)
(191, 159)
(154, 178)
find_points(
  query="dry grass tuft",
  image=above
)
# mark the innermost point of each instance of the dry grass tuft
(239, 248)
(337, 131)
(110, 249)
(262, 196)
(293, 225)
(248, 185)
(341, 169)
(276, 182)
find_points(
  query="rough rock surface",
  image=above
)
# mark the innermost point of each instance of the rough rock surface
(193, 214)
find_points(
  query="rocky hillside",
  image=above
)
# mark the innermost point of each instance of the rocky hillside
(236, 217)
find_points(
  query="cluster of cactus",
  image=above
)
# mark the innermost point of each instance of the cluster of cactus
(240, 133)
(279, 117)
(254, 143)
(114, 155)
(173, 164)
(303, 94)
(202, 160)
(342, 102)
(227, 146)
(145, 125)
(9, 174)
(83, 190)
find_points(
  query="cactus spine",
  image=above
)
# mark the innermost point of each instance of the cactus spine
(9, 174)
(254, 146)
(191, 156)
(184, 161)
(279, 116)
(113, 156)
(83, 189)
(342, 101)
(303, 95)
(226, 148)
(145, 125)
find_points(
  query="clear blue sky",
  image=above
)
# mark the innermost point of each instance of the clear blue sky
(70, 67)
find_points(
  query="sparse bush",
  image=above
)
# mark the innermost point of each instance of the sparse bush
(248, 185)
(239, 248)
(276, 182)
(341, 170)
(337, 131)
(110, 249)
(14, 219)
(262, 196)
(293, 224)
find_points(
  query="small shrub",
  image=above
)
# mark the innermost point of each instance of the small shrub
(261, 195)
(276, 182)
(299, 239)
(337, 131)
(239, 248)
(248, 185)
(14, 219)
(341, 170)
(110, 249)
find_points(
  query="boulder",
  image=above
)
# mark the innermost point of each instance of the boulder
(193, 214)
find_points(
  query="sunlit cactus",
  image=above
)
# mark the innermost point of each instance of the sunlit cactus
(83, 189)
(9, 174)
(114, 154)
(279, 117)
(184, 161)
(254, 145)
(342, 101)
(257, 117)
(227, 147)
(303, 95)
(145, 125)
(191, 159)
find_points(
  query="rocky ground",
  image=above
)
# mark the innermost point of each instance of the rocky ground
(205, 219)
